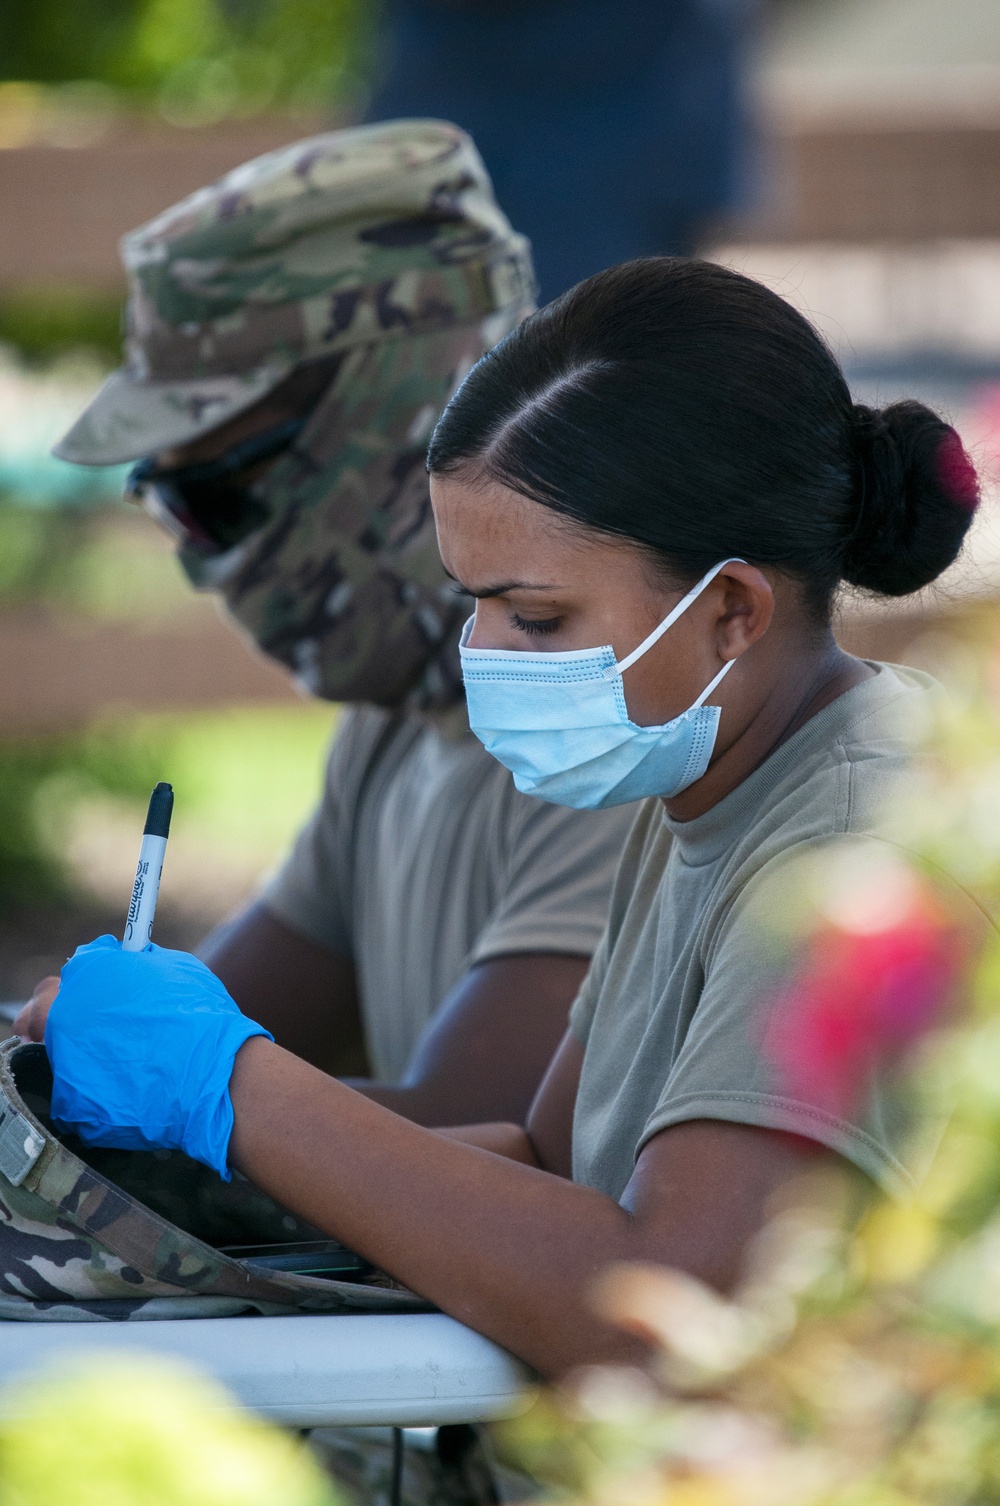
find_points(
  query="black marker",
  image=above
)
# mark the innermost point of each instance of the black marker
(147, 875)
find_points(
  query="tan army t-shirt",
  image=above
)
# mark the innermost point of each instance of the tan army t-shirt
(423, 859)
(669, 1012)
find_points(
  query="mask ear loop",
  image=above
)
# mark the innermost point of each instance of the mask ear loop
(712, 684)
(670, 619)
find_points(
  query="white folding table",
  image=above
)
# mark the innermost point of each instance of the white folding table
(380, 1369)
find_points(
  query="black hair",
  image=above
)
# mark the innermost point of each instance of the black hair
(693, 411)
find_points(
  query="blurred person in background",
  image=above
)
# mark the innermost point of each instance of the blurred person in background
(293, 333)
(611, 128)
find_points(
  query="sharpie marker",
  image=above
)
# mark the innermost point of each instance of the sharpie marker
(147, 875)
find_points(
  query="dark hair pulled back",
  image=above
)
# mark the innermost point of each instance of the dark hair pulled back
(690, 409)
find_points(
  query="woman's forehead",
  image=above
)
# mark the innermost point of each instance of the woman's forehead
(475, 507)
(487, 532)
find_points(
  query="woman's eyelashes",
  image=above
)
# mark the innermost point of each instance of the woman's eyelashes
(532, 625)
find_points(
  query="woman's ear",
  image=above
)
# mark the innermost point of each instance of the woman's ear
(746, 610)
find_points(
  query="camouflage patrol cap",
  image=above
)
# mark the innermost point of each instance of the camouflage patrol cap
(345, 239)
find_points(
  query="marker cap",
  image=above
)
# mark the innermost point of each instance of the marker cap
(161, 805)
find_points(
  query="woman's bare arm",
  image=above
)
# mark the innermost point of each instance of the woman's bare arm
(510, 1248)
(486, 1049)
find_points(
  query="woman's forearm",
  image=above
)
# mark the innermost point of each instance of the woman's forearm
(507, 1248)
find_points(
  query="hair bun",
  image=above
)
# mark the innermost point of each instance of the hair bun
(916, 494)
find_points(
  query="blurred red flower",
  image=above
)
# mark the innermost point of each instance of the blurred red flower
(857, 1000)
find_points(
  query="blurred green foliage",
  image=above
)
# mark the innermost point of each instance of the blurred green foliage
(141, 1430)
(245, 778)
(45, 321)
(197, 60)
(92, 562)
(39, 552)
(242, 774)
(30, 870)
(65, 39)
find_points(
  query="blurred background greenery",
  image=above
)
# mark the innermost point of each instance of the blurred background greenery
(74, 560)
(78, 77)
(68, 63)
(126, 1429)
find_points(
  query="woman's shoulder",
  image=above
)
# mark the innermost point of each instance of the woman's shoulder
(861, 742)
(839, 777)
(855, 752)
(895, 705)
(835, 777)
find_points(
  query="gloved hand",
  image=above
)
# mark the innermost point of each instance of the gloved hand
(142, 1046)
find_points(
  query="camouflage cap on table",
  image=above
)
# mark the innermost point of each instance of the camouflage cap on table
(92, 1235)
(331, 243)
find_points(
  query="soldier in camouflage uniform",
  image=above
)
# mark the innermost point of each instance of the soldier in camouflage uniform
(379, 257)
(292, 333)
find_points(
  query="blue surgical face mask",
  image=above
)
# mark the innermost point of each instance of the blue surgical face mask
(559, 722)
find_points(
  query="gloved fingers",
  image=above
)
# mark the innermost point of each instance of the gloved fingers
(142, 1046)
(115, 983)
(167, 1088)
(31, 1021)
(105, 943)
(186, 965)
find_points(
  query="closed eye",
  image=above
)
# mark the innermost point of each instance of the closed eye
(530, 625)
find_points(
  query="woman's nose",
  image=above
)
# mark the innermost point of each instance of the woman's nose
(490, 627)
(478, 633)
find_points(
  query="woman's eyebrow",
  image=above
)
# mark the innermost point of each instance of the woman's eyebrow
(485, 592)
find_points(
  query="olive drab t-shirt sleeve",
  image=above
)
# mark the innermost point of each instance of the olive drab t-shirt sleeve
(674, 1012)
(311, 889)
(730, 1065)
(559, 868)
(715, 1059)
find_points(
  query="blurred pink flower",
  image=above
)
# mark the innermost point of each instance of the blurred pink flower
(980, 425)
(856, 1001)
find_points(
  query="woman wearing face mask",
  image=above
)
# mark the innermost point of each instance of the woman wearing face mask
(653, 488)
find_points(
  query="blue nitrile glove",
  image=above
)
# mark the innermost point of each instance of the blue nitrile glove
(142, 1046)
